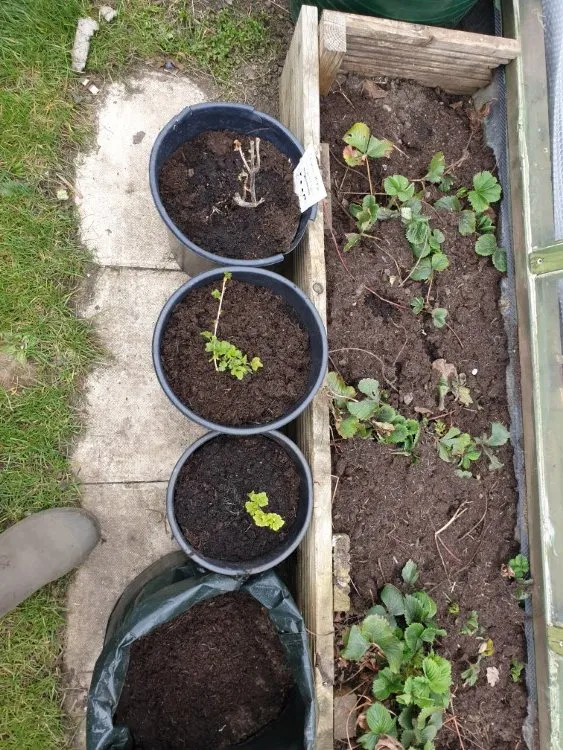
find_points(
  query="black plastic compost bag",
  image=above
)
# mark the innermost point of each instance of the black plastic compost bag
(170, 593)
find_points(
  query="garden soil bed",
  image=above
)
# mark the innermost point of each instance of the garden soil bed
(261, 324)
(197, 185)
(208, 679)
(389, 505)
(212, 489)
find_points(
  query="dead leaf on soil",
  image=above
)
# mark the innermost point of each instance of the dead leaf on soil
(444, 369)
(422, 410)
(493, 676)
(388, 743)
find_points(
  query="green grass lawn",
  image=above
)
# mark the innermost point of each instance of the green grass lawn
(41, 263)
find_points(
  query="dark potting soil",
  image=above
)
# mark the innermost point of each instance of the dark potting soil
(207, 680)
(199, 181)
(389, 505)
(261, 324)
(212, 490)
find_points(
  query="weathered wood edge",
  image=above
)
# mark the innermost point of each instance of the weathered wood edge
(457, 61)
(300, 111)
(539, 346)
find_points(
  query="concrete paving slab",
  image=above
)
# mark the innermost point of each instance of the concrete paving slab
(134, 534)
(132, 433)
(119, 223)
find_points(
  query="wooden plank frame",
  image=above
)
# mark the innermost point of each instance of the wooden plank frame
(459, 62)
(300, 111)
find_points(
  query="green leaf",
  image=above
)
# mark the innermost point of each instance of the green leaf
(439, 261)
(417, 305)
(370, 387)
(439, 316)
(519, 566)
(410, 573)
(430, 634)
(385, 413)
(466, 223)
(486, 190)
(516, 669)
(352, 156)
(422, 271)
(438, 672)
(413, 636)
(379, 609)
(463, 474)
(363, 410)
(499, 260)
(393, 600)
(446, 184)
(471, 625)
(398, 185)
(499, 435)
(386, 213)
(367, 741)
(485, 224)
(341, 392)
(436, 168)
(377, 149)
(358, 136)
(449, 203)
(348, 427)
(376, 629)
(380, 720)
(352, 239)
(356, 645)
(486, 244)
(438, 235)
(256, 364)
(386, 683)
(470, 675)
(216, 294)
(418, 231)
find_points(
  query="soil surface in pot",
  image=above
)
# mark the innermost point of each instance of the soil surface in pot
(392, 506)
(212, 490)
(197, 186)
(208, 679)
(261, 324)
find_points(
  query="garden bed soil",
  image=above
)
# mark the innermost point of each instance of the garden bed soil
(197, 184)
(212, 489)
(208, 679)
(261, 324)
(392, 506)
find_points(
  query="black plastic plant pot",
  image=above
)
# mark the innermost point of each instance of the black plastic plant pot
(190, 123)
(306, 314)
(276, 556)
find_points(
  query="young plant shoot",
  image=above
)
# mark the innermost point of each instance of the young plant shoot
(254, 507)
(224, 355)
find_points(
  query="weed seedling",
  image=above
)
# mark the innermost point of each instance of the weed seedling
(471, 625)
(412, 685)
(248, 175)
(370, 416)
(516, 669)
(224, 355)
(518, 570)
(254, 505)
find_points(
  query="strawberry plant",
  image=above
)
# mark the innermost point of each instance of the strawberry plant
(438, 314)
(518, 570)
(254, 507)
(412, 685)
(371, 415)
(460, 448)
(225, 356)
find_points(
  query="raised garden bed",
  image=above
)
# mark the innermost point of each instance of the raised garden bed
(458, 529)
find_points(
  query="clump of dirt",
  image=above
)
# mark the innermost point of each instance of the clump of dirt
(199, 183)
(212, 490)
(392, 506)
(261, 324)
(208, 679)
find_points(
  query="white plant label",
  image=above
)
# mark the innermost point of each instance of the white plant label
(308, 180)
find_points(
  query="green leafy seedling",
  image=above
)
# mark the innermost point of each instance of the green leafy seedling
(486, 245)
(471, 625)
(499, 436)
(458, 447)
(226, 357)
(519, 567)
(516, 669)
(471, 674)
(437, 168)
(454, 608)
(254, 507)
(361, 144)
(370, 416)
(438, 314)
(399, 187)
(486, 190)
(399, 635)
